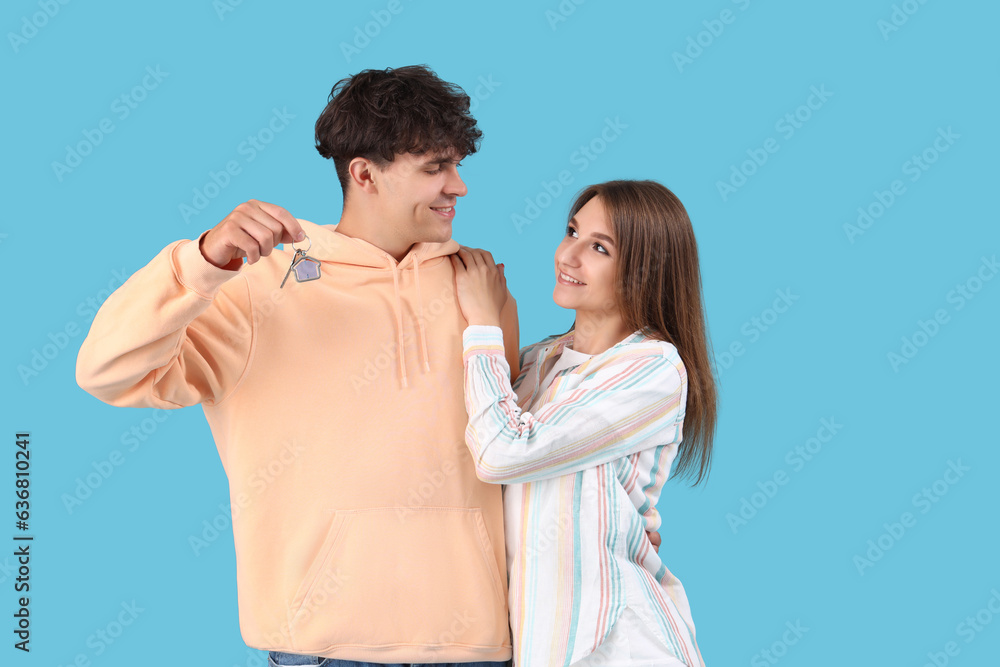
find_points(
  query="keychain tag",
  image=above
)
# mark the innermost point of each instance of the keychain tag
(305, 267)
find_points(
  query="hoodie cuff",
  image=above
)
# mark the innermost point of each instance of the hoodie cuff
(483, 339)
(197, 273)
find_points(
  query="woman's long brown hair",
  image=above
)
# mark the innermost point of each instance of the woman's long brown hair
(658, 287)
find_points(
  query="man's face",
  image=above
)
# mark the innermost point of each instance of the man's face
(417, 195)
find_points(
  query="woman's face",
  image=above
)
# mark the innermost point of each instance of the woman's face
(587, 254)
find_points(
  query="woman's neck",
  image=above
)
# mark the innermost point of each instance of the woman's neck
(595, 332)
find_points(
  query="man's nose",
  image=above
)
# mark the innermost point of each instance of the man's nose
(456, 186)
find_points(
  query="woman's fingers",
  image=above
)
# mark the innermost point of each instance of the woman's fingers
(476, 257)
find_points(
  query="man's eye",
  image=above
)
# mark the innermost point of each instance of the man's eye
(436, 171)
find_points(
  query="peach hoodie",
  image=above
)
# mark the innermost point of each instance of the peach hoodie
(337, 406)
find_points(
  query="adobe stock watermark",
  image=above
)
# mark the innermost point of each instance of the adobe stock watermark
(900, 14)
(787, 125)
(261, 309)
(714, 27)
(551, 531)
(915, 167)
(255, 658)
(482, 92)
(102, 470)
(562, 12)
(122, 107)
(41, 356)
(7, 569)
(796, 458)
(30, 25)
(754, 328)
(426, 488)
(370, 368)
(105, 636)
(779, 648)
(322, 591)
(223, 7)
(968, 629)
(363, 35)
(960, 295)
(248, 149)
(258, 481)
(924, 500)
(581, 158)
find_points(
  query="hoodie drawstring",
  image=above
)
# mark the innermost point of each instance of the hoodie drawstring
(399, 320)
(420, 317)
(399, 317)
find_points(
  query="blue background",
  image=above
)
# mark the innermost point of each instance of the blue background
(555, 79)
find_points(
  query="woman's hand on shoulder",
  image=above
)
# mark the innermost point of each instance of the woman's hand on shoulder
(481, 286)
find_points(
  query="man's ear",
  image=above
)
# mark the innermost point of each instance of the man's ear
(362, 173)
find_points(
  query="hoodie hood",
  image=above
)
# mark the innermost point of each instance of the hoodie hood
(329, 245)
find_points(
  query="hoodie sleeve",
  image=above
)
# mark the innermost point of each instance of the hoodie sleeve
(631, 403)
(177, 333)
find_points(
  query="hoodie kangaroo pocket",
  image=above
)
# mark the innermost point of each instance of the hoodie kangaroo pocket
(396, 576)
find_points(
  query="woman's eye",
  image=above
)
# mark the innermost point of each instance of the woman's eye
(602, 248)
(570, 231)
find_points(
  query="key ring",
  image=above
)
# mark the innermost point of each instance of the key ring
(304, 267)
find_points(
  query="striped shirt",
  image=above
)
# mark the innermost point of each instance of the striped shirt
(583, 461)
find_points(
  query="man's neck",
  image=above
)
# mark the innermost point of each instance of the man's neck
(359, 226)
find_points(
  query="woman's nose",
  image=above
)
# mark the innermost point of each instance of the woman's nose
(568, 255)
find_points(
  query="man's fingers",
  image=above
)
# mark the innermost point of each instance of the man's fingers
(275, 229)
(263, 236)
(260, 225)
(291, 226)
(247, 244)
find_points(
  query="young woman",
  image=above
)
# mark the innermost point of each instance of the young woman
(585, 437)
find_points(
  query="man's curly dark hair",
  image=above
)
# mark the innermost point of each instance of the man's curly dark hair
(378, 114)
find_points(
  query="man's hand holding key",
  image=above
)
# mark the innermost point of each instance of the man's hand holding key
(252, 230)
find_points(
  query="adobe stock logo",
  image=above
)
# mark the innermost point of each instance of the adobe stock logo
(581, 158)
(37, 21)
(923, 500)
(697, 44)
(915, 167)
(961, 295)
(796, 458)
(901, 13)
(754, 328)
(787, 125)
(252, 146)
(381, 19)
(122, 106)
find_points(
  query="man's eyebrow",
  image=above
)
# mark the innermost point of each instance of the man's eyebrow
(604, 237)
(441, 160)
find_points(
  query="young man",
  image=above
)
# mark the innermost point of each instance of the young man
(349, 382)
